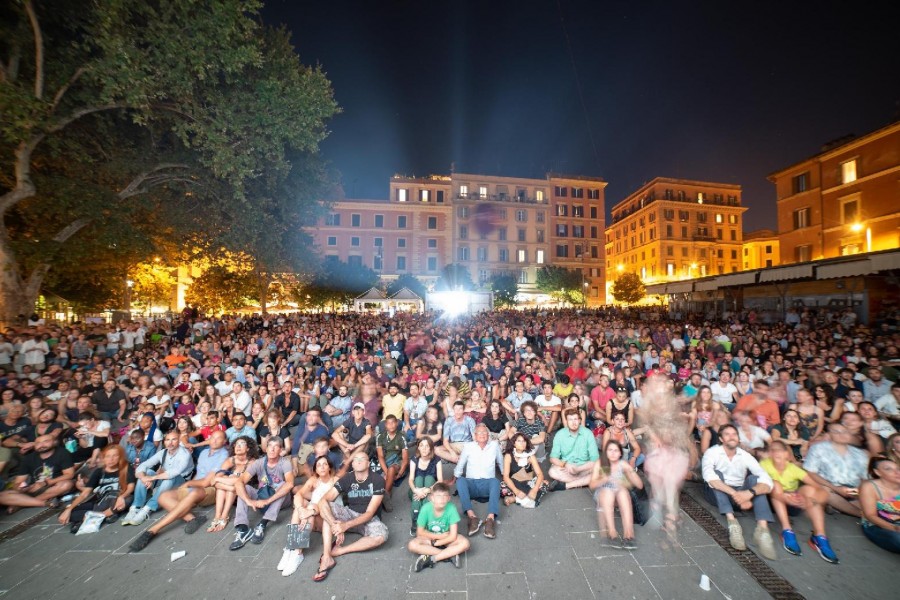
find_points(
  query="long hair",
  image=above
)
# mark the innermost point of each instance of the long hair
(122, 464)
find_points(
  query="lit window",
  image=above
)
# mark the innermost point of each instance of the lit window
(848, 171)
(482, 191)
(539, 257)
(464, 191)
(424, 195)
(720, 218)
(539, 195)
(522, 255)
(402, 195)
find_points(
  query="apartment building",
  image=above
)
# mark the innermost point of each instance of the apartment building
(761, 250)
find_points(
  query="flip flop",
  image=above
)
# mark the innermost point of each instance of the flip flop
(322, 574)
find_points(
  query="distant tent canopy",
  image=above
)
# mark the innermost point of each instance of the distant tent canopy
(374, 301)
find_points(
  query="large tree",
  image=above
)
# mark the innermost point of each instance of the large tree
(561, 284)
(628, 288)
(219, 111)
(411, 282)
(505, 289)
(454, 277)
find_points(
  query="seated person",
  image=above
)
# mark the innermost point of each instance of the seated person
(45, 474)
(92, 436)
(338, 408)
(793, 433)
(310, 429)
(363, 491)
(476, 475)
(763, 410)
(795, 491)
(165, 470)
(322, 447)
(197, 492)
(533, 427)
(424, 472)
(437, 538)
(879, 498)
(839, 468)
(239, 428)
(734, 478)
(611, 486)
(273, 427)
(243, 452)
(393, 457)
(618, 431)
(753, 437)
(109, 490)
(137, 449)
(512, 404)
(458, 431)
(523, 480)
(355, 433)
(574, 454)
(275, 482)
(549, 405)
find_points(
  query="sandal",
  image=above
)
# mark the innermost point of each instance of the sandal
(322, 574)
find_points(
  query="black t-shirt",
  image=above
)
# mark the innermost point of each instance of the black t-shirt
(33, 433)
(293, 404)
(22, 428)
(495, 425)
(355, 432)
(40, 469)
(357, 494)
(104, 482)
(283, 432)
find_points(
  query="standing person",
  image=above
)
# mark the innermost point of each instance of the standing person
(573, 455)
(393, 457)
(363, 492)
(476, 474)
(275, 481)
(437, 538)
(734, 478)
(612, 487)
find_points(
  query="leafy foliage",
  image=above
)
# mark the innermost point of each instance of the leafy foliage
(505, 289)
(407, 281)
(221, 289)
(335, 284)
(561, 284)
(628, 288)
(454, 277)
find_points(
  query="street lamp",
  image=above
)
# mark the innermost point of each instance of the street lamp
(128, 285)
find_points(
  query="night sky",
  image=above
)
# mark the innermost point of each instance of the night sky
(627, 91)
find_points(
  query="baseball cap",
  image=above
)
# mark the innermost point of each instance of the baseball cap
(359, 405)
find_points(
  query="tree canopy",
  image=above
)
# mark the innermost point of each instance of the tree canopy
(561, 284)
(628, 288)
(407, 281)
(454, 277)
(505, 289)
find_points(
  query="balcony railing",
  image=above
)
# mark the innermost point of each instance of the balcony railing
(501, 198)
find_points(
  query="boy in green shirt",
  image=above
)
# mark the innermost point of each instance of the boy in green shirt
(437, 538)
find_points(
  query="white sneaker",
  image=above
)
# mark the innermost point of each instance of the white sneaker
(129, 518)
(293, 563)
(763, 538)
(736, 535)
(141, 516)
(525, 502)
(285, 557)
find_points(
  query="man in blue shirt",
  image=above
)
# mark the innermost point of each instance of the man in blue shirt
(199, 491)
(240, 428)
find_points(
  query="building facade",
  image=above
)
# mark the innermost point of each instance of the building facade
(490, 225)
(761, 250)
(672, 229)
(842, 201)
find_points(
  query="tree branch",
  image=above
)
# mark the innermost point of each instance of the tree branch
(65, 87)
(134, 187)
(38, 51)
(36, 278)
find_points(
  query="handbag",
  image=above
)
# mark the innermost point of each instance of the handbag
(640, 506)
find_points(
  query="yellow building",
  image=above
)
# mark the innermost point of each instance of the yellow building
(761, 249)
(672, 229)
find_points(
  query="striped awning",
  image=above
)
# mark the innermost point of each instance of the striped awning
(844, 269)
(748, 278)
(680, 287)
(786, 273)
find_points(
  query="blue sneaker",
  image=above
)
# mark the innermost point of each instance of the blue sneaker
(789, 541)
(820, 544)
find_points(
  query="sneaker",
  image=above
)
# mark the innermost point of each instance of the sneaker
(132, 512)
(293, 563)
(194, 524)
(474, 525)
(762, 537)
(820, 544)
(240, 539)
(789, 541)
(386, 503)
(259, 534)
(557, 486)
(413, 530)
(525, 502)
(141, 516)
(456, 561)
(141, 541)
(422, 562)
(628, 543)
(736, 536)
(489, 528)
(285, 557)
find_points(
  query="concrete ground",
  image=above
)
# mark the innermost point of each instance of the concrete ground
(553, 551)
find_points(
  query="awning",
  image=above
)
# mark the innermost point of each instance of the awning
(786, 273)
(844, 269)
(885, 262)
(748, 278)
(706, 286)
(681, 287)
(657, 289)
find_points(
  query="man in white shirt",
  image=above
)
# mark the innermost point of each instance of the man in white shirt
(734, 478)
(550, 406)
(224, 387)
(723, 390)
(242, 400)
(476, 476)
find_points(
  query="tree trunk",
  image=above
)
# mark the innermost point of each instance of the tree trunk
(13, 301)
(264, 280)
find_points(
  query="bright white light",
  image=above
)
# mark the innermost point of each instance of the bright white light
(453, 303)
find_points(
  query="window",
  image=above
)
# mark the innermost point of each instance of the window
(800, 183)
(682, 195)
(848, 171)
(432, 263)
(354, 241)
(593, 232)
(522, 216)
(562, 210)
(377, 262)
(683, 216)
(540, 235)
(539, 216)
(578, 231)
(768, 262)
(432, 243)
(850, 211)
(333, 219)
(578, 211)
(595, 252)
(539, 257)
(462, 212)
(463, 191)
(379, 242)
(593, 212)
(501, 234)
(669, 231)
(768, 249)
(718, 234)
(402, 195)
(720, 218)
(539, 195)
(719, 253)
(670, 269)
(593, 194)
(684, 232)
(523, 276)
(355, 220)
(562, 230)
(354, 261)
(561, 191)
(332, 240)
(432, 222)
(482, 254)
(482, 191)
(701, 197)
(463, 232)
(801, 218)
(503, 255)
(562, 251)
(522, 256)
(702, 217)
(732, 219)
(803, 253)
(521, 234)
(577, 192)
(331, 258)
(684, 251)
(440, 196)
(670, 251)
(379, 221)
(667, 195)
(401, 221)
(424, 195)
(669, 214)
(401, 263)
(734, 254)
(401, 242)
(483, 275)
(732, 200)
(462, 253)
(733, 235)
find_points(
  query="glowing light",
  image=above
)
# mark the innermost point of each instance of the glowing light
(620, 268)
(856, 227)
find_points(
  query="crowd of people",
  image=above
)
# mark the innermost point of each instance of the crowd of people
(323, 417)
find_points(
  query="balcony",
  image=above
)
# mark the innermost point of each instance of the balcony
(501, 198)
(700, 236)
